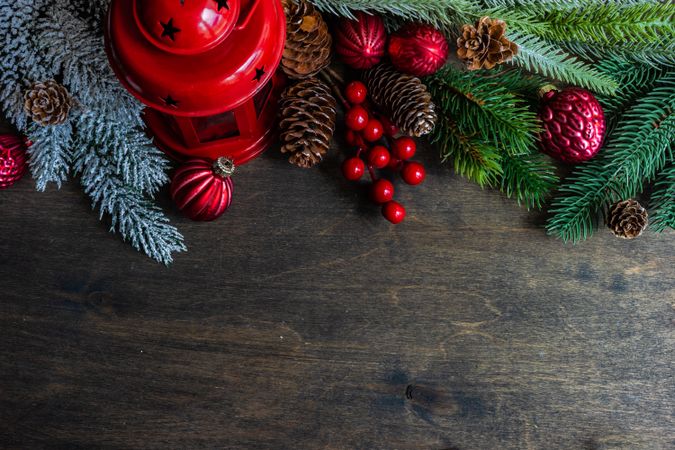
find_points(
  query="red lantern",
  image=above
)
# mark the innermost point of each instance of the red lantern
(206, 69)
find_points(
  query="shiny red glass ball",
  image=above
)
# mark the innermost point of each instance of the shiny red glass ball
(201, 191)
(373, 131)
(353, 169)
(361, 43)
(418, 49)
(356, 92)
(357, 118)
(378, 157)
(413, 173)
(573, 125)
(404, 148)
(394, 212)
(382, 191)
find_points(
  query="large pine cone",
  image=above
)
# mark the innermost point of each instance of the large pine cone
(308, 112)
(308, 42)
(627, 219)
(404, 99)
(47, 103)
(485, 45)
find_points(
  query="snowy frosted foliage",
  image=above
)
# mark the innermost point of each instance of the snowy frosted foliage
(102, 142)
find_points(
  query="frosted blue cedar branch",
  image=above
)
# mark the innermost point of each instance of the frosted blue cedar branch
(103, 141)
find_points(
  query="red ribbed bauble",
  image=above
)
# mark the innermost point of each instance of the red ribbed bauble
(574, 125)
(418, 49)
(361, 42)
(13, 159)
(203, 190)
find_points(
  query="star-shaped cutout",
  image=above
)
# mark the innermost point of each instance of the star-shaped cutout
(169, 29)
(259, 73)
(170, 101)
(222, 4)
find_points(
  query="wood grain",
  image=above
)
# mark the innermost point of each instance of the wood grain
(302, 320)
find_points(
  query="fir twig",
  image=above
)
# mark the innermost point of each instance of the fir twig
(637, 150)
(528, 178)
(662, 204)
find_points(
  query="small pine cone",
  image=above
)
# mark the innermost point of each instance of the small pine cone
(404, 98)
(627, 219)
(308, 42)
(308, 112)
(47, 103)
(485, 45)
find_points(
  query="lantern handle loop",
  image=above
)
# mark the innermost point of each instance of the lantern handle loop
(244, 15)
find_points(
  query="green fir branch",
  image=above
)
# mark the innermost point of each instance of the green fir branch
(637, 150)
(442, 13)
(551, 61)
(662, 204)
(529, 179)
(482, 107)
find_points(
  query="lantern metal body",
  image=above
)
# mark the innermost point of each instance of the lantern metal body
(205, 69)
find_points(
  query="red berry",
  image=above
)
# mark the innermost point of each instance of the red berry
(357, 118)
(378, 157)
(382, 191)
(352, 138)
(373, 130)
(404, 148)
(356, 92)
(413, 173)
(390, 129)
(394, 212)
(353, 169)
(394, 163)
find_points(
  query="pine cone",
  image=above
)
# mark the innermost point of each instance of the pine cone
(308, 112)
(47, 103)
(484, 46)
(404, 98)
(308, 42)
(627, 219)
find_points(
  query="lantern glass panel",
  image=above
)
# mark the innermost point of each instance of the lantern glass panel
(261, 98)
(214, 128)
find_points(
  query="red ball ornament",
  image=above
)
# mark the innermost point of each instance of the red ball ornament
(356, 92)
(203, 190)
(574, 125)
(361, 42)
(418, 49)
(404, 148)
(394, 212)
(356, 118)
(413, 173)
(353, 169)
(13, 160)
(378, 157)
(382, 191)
(373, 131)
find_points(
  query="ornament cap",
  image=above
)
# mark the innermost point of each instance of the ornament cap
(547, 91)
(224, 167)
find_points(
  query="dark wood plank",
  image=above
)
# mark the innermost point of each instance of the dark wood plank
(303, 320)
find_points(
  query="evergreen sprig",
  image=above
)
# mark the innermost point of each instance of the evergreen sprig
(637, 150)
(662, 203)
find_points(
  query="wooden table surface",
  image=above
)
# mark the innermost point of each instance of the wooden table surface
(303, 320)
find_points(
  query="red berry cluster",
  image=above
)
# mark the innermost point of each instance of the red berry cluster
(365, 132)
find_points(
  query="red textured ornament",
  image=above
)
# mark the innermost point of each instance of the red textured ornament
(206, 69)
(418, 49)
(413, 173)
(361, 42)
(382, 191)
(394, 212)
(353, 169)
(378, 157)
(373, 131)
(574, 125)
(203, 190)
(13, 160)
